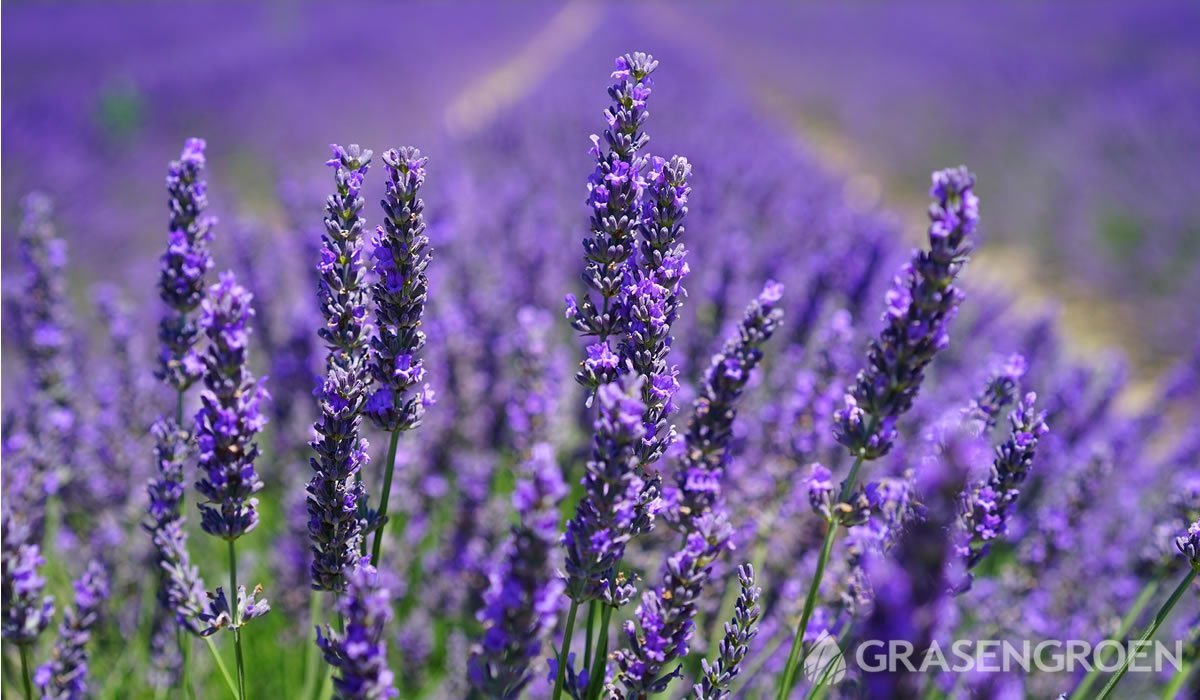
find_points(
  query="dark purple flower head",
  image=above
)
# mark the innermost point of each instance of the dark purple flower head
(341, 291)
(401, 258)
(716, 678)
(360, 652)
(65, 675)
(618, 503)
(186, 262)
(920, 306)
(26, 611)
(1189, 544)
(231, 415)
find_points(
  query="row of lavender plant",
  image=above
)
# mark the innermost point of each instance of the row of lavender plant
(943, 521)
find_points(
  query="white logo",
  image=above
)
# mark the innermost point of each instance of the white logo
(825, 664)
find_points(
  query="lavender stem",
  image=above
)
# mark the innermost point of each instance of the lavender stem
(383, 496)
(221, 666)
(25, 678)
(237, 632)
(566, 650)
(1127, 623)
(1159, 618)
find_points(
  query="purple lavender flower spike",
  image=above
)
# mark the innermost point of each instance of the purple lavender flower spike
(1189, 545)
(614, 192)
(1000, 392)
(180, 589)
(664, 620)
(618, 503)
(181, 282)
(360, 653)
(335, 494)
(26, 611)
(231, 415)
(715, 679)
(987, 507)
(521, 603)
(920, 306)
(64, 677)
(654, 294)
(401, 257)
(697, 483)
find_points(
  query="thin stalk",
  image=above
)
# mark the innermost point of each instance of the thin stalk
(310, 655)
(591, 627)
(599, 662)
(383, 497)
(1159, 618)
(1127, 624)
(185, 651)
(1172, 690)
(221, 665)
(26, 679)
(565, 651)
(237, 614)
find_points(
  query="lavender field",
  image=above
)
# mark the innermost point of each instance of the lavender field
(611, 351)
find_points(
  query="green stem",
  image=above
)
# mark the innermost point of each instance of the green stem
(1172, 690)
(599, 663)
(221, 665)
(565, 651)
(185, 652)
(1127, 624)
(1159, 618)
(591, 630)
(26, 679)
(383, 497)
(310, 655)
(237, 631)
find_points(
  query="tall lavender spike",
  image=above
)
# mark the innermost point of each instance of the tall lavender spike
(43, 338)
(614, 192)
(64, 677)
(521, 603)
(715, 679)
(334, 492)
(654, 293)
(664, 620)
(180, 590)
(181, 282)
(401, 256)
(618, 503)
(230, 415)
(360, 652)
(26, 611)
(920, 306)
(697, 486)
(987, 507)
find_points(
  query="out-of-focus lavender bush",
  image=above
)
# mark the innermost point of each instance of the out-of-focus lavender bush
(757, 337)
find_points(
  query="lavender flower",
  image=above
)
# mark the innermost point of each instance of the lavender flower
(920, 306)
(230, 415)
(715, 679)
(181, 282)
(335, 492)
(360, 653)
(654, 295)
(1189, 544)
(26, 611)
(521, 603)
(618, 503)
(664, 620)
(65, 675)
(999, 392)
(614, 192)
(987, 508)
(698, 483)
(401, 257)
(180, 589)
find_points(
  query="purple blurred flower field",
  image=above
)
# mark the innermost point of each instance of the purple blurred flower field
(766, 424)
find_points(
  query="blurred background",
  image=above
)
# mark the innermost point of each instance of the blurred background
(1080, 125)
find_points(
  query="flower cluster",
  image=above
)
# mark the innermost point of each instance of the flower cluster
(181, 282)
(618, 504)
(715, 678)
(614, 197)
(1189, 544)
(231, 415)
(334, 491)
(359, 653)
(401, 257)
(26, 611)
(65, 675)
(922, 302)
(521, 603)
